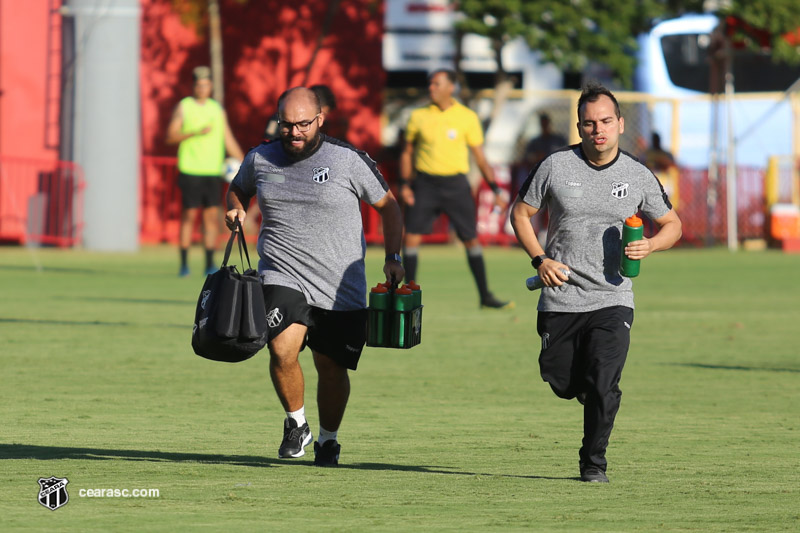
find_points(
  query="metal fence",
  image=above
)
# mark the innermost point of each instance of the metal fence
(41, 201)
(703, 219)
(702, 205)
(160, 200)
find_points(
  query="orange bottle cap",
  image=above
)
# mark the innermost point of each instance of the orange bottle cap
(413, 285)
(380, 288)
(403, 290)
(633, 222)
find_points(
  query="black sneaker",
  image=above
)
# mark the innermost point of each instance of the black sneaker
(327, 454)
(294, 439)
(593, 474)
(493, 303)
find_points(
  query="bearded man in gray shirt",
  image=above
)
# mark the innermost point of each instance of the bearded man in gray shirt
(585, 310)
(311, 247)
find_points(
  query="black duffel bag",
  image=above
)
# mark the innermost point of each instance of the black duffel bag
(230, 322)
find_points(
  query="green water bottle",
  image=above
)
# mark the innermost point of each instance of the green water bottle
(379, 305)
(416, 290)
(632, 230)
(403, 302)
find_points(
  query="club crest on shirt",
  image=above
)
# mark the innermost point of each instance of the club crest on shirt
(619, 190)
(321, 174)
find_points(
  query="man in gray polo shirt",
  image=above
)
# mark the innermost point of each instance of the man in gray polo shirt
(311, 247)
(585, 310)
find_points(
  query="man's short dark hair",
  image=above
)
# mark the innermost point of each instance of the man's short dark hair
(592, 92)
(450, 73)
(325, 95)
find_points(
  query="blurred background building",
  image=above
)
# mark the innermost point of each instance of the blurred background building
(87, 88)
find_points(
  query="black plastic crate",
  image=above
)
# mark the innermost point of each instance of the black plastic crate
(394, 329)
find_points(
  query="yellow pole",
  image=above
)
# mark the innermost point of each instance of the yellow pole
(795, 162)
(771, 182)
(573, 117)
(676, 127)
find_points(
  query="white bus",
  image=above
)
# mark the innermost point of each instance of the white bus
(674, 63)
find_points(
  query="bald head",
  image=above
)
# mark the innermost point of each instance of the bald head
(298, 97)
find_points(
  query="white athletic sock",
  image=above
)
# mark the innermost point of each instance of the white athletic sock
(325, 435)
(299, 416)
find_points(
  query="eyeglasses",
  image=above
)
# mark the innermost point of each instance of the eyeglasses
(302, 127)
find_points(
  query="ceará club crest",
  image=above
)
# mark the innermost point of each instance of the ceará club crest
(619, 190)
(321, 174)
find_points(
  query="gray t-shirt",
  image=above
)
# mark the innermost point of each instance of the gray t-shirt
(587, 206)
(312, 236)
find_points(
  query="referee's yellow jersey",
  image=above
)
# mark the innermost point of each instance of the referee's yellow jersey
(441, 138)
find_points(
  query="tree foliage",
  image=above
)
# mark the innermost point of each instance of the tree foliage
(568, 33)
(194, 13)
(573, 33)
(770, 22)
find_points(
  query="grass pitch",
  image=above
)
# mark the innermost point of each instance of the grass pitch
(100, 385)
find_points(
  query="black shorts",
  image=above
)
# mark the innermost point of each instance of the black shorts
(434, 195)
(582, 351)
(340, 335)
(200, 191)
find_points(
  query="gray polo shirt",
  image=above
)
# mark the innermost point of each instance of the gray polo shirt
(311, 237)
(587, 206)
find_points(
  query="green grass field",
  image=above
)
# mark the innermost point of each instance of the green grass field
(100, 385)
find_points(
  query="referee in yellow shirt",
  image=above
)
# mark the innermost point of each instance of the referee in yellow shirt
(433, 168)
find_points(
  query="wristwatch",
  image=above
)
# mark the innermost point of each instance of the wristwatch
(538, 260)
(394, 257)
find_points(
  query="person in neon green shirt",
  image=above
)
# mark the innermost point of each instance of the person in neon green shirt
(440, 138)
(200, 128)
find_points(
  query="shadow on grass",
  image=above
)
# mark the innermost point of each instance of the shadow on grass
(47, 322)
(68, 270)
(130, 300)
(47, 453)
(734, 367)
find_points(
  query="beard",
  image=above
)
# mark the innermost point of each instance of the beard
(297, 154)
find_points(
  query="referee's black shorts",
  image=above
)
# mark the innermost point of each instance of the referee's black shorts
(200, 191)
(340, 335)
(434, 195)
